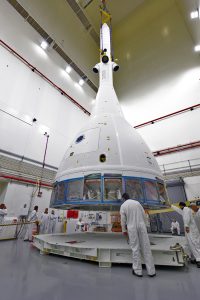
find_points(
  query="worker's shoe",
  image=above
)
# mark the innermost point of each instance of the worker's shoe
(193, 261)
(138, 275)
(177, 246)
(198, 264)
(152, 275)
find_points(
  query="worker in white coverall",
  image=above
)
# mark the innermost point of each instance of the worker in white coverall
(44, 222)
(3, 213)
(175, 227)
(191, 231)
(196, 211)
(33, 218)
(80, 225)
(52, 222)
(197, 218)
(133, 224)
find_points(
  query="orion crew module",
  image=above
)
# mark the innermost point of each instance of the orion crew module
(107, 157)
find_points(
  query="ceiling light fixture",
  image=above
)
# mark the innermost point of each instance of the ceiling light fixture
(68, 69)
(44, 45)
(194, 14)
(81, 82)
(197, 48)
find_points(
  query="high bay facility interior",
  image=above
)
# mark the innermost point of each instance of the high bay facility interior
(48, 50)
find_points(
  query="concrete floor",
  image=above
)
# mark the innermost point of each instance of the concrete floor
(27, 275)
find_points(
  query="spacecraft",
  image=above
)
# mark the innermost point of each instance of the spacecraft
(107, 157)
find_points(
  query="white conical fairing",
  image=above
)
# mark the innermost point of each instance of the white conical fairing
(107, 157)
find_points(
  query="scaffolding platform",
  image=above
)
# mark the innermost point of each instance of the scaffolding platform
(108, 248)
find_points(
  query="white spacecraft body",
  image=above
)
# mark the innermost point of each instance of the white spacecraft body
(107, 157)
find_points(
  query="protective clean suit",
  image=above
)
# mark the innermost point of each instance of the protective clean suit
(197, 219)
(52, 223)
(80, 225)
(44, 223)
(133, 220)
(193, 236)
(33, 217)
(175, 227)
(3, 213)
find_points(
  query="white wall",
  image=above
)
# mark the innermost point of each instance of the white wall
(19, 194)
(25, 95)
(159, 69)
(192, 185)
(159, 75)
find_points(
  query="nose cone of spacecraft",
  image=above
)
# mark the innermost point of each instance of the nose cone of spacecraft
(107, 157)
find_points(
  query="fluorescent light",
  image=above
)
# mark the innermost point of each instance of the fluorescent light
(81, 82)
(197, 48)
(77, 85)
(194, 14)
(68, 69)
(44, 45)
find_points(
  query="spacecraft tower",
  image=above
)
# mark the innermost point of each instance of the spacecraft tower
(107, 157)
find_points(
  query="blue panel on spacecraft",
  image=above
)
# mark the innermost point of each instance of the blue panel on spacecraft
(108, 190)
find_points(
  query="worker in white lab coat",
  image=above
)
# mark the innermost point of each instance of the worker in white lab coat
(175, 227)
(80, 225)
(196, 211)
(191, 231)
(197, 218)
(52, 222)
(133, 224)
(44, 222)
(3, 213)
(33, 218)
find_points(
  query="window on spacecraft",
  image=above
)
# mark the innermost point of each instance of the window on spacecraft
(112, 189)
(75, 189)
(92, 189)
(162, 192)
(134, 188)
(151, 190)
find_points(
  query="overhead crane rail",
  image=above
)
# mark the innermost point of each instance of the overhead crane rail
(178, 112)
(178, 148)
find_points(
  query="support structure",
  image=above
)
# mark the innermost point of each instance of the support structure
(108, 248)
